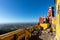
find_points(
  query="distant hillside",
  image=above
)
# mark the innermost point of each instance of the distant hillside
(4, 28)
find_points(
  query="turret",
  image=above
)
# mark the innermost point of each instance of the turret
(41, 20)
(50, 13)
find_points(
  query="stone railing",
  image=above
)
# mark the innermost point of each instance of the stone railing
(20, 34)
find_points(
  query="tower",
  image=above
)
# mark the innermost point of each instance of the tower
(50, 13)
(57, 2)
(41, 20)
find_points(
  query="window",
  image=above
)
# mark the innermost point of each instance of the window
(59, 12)
(59, 8)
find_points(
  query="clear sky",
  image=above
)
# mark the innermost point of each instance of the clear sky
(12, 11)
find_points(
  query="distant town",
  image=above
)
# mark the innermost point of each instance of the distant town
(5, 28)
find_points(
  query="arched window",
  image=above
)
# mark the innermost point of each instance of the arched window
(59, 12)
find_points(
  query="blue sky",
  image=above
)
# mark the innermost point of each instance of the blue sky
(12, 11)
